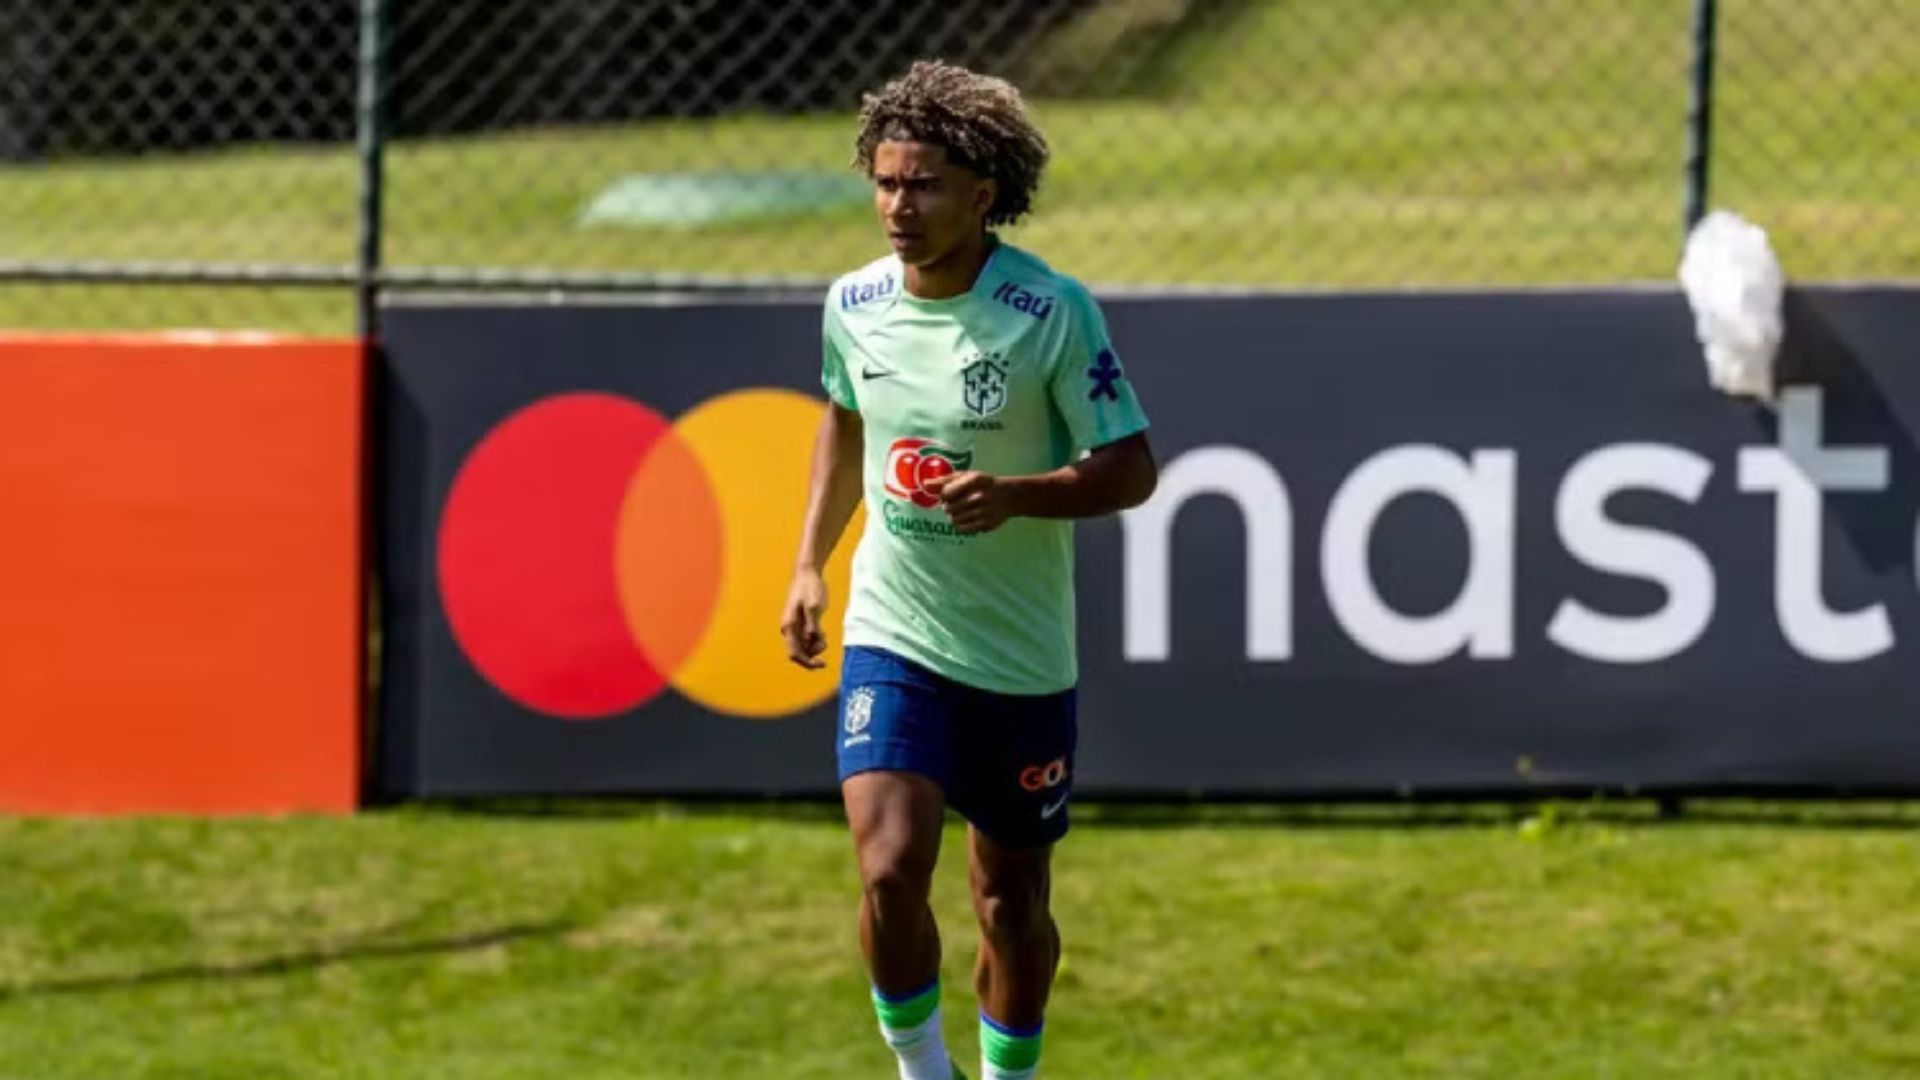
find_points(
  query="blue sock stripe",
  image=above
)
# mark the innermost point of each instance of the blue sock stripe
(902, 999)
(1009, 1032)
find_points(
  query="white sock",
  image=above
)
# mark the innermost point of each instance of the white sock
(989, 1072)
(922, 1049)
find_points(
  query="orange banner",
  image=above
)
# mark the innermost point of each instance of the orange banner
(180, 574)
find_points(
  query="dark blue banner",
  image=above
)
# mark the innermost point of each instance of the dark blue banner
(1434, 544)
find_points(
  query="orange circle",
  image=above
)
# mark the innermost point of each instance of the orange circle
(755, 450)
(668, 550)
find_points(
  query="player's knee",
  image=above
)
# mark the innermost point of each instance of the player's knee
(896, 885)
(1013, 915)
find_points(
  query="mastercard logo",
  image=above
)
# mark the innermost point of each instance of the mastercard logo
(593, 554)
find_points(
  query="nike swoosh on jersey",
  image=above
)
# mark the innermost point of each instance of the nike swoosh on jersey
(871, 372)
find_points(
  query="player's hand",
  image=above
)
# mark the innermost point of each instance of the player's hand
(800, 619)
(976, 502)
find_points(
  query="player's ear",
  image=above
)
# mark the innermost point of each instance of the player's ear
(985, 191)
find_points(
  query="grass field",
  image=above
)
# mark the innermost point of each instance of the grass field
(602, 941)
(1324, 142)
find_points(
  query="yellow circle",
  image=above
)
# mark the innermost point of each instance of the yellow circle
(756, 448)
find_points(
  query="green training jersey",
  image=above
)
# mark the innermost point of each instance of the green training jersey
(1012, 377)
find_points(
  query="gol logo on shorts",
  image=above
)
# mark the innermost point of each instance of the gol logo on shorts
(592, 553)
(1042, 777)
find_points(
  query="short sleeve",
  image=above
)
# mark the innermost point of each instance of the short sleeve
(1090, 388)
(833, 363)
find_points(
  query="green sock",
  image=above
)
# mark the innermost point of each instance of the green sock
(1008, 1053)
(911, 1025)
(907, 1011)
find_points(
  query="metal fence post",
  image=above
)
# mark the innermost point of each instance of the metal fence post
(1700, 113)
(371, 144)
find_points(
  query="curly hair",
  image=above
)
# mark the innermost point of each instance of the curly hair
(980, 120)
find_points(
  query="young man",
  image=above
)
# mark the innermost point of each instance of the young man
(977, 400)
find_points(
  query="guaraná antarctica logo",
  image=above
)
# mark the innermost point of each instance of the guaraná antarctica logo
(912, 464)
(592, 554)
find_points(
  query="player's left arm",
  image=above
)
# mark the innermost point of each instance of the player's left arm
(1093, 396)
(1114, 477)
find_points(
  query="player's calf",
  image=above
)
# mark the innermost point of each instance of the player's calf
(1019, 951)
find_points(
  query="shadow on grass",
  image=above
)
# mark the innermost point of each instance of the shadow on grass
(824, 808)
(284, 964)
(1896, 813)
(1574, 811)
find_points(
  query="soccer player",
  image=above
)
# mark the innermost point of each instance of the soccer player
(978, 404)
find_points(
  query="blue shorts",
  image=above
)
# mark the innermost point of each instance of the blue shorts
(1005, 761)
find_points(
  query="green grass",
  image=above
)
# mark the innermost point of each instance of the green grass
(1264, 142)
(603, 942)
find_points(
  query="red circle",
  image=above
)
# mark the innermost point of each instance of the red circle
(906, 471)
(929, 469)
(527, 560)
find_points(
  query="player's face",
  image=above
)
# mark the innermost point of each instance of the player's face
(928, 205)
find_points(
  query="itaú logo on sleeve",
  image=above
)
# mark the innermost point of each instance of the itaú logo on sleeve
(1479, 621)
(591, 554)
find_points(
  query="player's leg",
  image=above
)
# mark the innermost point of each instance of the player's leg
(1019, 951)
(896, 819)
(893, 761)
(1013, 779)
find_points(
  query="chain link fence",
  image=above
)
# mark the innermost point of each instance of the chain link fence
(1817, 132)
(193, 162)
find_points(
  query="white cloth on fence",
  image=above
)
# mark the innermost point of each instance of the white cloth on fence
(1736, 288)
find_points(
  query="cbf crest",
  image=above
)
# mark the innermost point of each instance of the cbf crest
(984, 385)
(857, 714)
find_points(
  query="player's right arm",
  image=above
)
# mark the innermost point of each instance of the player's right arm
(833, 493)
